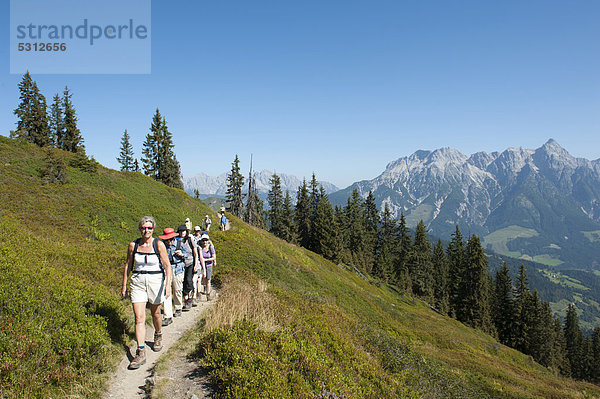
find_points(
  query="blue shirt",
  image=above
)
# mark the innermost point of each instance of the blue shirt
(177, 263)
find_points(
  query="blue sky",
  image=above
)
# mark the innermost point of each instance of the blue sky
(341, 88)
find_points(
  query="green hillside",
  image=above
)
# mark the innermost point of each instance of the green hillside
(288, 323)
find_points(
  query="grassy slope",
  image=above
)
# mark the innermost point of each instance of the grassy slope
(315, 325)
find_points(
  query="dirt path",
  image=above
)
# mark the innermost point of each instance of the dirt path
(126, 384)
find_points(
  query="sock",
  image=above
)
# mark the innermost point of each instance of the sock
(141, 347)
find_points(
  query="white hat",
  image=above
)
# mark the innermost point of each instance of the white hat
(204, 236)
(197, 228)
(187, 219)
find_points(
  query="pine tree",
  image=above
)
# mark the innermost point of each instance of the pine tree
(254, 206)
(420, 267)
(72, 140)
(371, 228)
(57, 128)
(136, 166)
(235, 182)
(150, 147)
(559, 349)
(440, 278)
(475, 288)
(196, 193)
(275, 200)
(504, 308)
(126, 155)
(595, 377)
(32, 125)
(303, 215)
(456, 271)
(401, 275)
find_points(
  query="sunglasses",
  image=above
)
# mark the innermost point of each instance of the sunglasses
(146, 228)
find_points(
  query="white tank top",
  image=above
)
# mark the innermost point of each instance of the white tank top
(146, 262)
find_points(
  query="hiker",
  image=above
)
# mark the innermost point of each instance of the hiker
(147, 258)
(199, 270)
(191, 262)
(188, 224)
(223, 222)
(207, 223)
(177, 254)
(207, 252)
(222, 210)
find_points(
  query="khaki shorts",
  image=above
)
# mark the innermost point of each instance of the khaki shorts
(147, 288)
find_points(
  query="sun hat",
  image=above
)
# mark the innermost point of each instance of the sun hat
(181, 228)
(187, 219)
(204, 236)
(168, 233)
(197, 228)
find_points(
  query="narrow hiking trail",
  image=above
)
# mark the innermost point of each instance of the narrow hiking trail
(125, 383)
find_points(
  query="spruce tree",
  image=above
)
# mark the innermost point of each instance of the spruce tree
(503, 306)
(126, 158)
(440, 278)
(371, 227)
(595, 377)
(475, 288)
(559, 349)
(522, 311)
(303, 215)
(136, 166)
(288, 226)
(401, 275)
(324, 231)
(420, 267)
(32, 124)
(456, 270)
(72, 140)
(387, 242)
(575, 343)
(275, 200)
(234, 195)
(57, 128)
(159, 160)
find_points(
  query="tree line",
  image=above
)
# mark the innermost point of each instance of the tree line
(453, 280)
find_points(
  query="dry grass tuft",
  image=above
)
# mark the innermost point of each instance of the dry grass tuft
(243, 298)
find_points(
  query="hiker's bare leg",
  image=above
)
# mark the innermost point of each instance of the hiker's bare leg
(156, 317)
(139, 309)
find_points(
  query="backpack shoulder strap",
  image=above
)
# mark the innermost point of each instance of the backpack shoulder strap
(178, 244)
(135, 248)
(155, 247)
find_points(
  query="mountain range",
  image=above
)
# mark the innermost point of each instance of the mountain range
(217, 185)
(541, 205)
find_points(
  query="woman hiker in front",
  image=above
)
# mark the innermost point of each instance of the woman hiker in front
(151, 282)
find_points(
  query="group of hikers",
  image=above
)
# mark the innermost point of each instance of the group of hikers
(170, 271)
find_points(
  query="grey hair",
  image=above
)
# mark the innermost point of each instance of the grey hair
(145, 220)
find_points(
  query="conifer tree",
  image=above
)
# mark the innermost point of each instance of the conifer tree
(136, 166)
(324, 232)
(595, 376)
(456, 271)
(303, 215)
(72, 140)
(504, 308)
(159, 160)
(440, 278)
(559, 349)
(475, 288)
(371, 225)
(254, 206)
(314, 199)
(575, 343)
(522, 311)
(196, 193)
(57, 128)
(400, 268)
(420, 267)
(288, 231)
(275, 199)
(32, 124)
(387, 243)
(126, 158)
(235, 182)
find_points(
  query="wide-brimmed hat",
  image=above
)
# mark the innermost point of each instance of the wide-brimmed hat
(204, 236)
(197, 228)
(168, 233)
